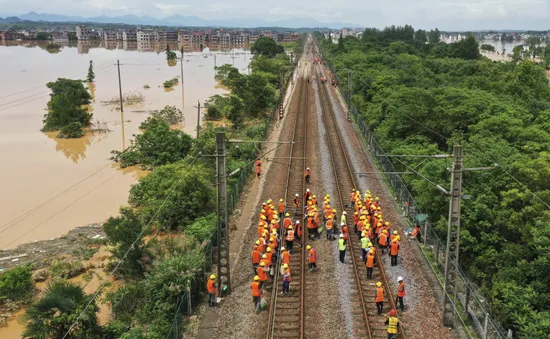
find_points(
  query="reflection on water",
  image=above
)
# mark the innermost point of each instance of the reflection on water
(73, 149)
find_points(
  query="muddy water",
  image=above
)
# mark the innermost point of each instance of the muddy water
(50, 185)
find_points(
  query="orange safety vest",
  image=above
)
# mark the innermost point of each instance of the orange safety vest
(383, 240)
(370, 260)
(262, 273)
(256, 257)
(298, 228)
(312, 255)
(261, 230)
(345, 231)
(287, 271)
(360, 225)
(401, 290)
(287, 222)
(393, 237)
(256, 290)
(281, 207)
(285, 258)
(352, 197)
(379, 294)
(290, 235)
(269, 257)
(258, 170)
(211, 286)
(414, 233)
(309, 222)
(329, 224)
(394, 248)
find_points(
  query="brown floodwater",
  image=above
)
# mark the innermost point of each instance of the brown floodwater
(50, 185)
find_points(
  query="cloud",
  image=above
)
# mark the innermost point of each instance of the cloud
(171, 8)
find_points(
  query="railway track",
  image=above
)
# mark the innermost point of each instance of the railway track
(367, 323)
(286, 312)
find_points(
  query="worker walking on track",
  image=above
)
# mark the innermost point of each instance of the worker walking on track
(256, 258)
(379, 297)
(342, 248)
(211, 287)
(400, 293)
(258, 168)
(296, 203)
(289, 238)
(256, 288)
(307, 175)
(393, 325)
(312, 256)
(281, 208)
(370, 262)
(286, 280)
(262, 274)
(394, 251)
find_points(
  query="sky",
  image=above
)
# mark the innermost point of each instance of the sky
(425, 14)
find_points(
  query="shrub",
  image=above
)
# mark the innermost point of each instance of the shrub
(203, 228)
(16, 283)
(71, 131)
(170, 114)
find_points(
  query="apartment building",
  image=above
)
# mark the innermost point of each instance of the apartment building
(83, 33)
(129, 35)
(60, 38)
(110, 35)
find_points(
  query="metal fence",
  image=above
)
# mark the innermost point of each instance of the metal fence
(471, 308)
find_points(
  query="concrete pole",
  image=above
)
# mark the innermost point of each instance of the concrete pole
(222, 229)
(453, 239)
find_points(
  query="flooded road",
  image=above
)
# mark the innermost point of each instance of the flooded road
(52, 185)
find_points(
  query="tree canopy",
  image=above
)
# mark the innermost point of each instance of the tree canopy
(266, 46)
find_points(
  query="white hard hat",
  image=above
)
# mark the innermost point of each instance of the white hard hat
(399, 279)
(341, 235)
(297, 221)
(307, 190)
(308, 168)
(342, 224)
(296, 194)
(344, 213)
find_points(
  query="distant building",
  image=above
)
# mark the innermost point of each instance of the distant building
(60, 38)
(10, 35)
(253, 37)
(291, 37)
(147, 36)
(110, 35)
(129, 36)
(83, 33)
(347, 32)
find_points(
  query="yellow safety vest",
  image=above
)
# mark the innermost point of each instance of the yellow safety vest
(364, 242)
(342, 245)
(343, 219)
(392, 325)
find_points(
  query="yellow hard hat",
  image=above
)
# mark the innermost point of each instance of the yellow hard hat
(362, 217)
(395, 232)
(262, 263)
(268, 249)
(264, 256)
(256, 278)
(287, 215)
(397, 238)
(283, 249)
(263, 217)
(308, 247)
(314, 196)
(257, 242)
(356, 213)
(368, 227)
(212, 276)
(263, 211)
(370, 245)
(281, 200)
(363, 233)
(385, 232)
(290, 227)
(387, 223)
(269, 201)
(334, 210)
(379, 284)
(285, 266)
(377, 199)
(371, 250)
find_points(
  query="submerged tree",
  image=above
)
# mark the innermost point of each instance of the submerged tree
(91, 75)
(66, 105)
(169, 54)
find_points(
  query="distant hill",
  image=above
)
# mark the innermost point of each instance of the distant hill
(180, 20)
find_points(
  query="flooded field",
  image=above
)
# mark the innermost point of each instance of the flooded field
(52, 185)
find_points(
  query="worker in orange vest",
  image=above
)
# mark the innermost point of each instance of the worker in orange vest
(285, 256)
(211, 287)
(307, 174)
(416, 233)
(287, 221)
(394, 235)
(281, 208)
(383, 240)
(296, 203)
(312, 255)
(330, 230)
(286, 279)
(256, 288)
(289, 238)
(298, 231)
(370, 262)
(263, 273)
(258, 171)
(379, 297)
(256, 258)
(401, 292)
(352, 198)
(394, 251)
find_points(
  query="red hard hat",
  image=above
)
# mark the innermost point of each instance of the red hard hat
(392, 312)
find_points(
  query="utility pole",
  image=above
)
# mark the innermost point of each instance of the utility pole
(182, 89)
(120, 89)
(281, 94)
(350, 85)
(223, 229)
(453, 239)
(198, 117)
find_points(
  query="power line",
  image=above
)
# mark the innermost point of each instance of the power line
(23, 216)
(57, 213)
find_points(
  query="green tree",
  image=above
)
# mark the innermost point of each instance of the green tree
(341, 46)
(421, 36)
(517, 53)
(170, 55)
(16, 284)
(158, 145)
(177, 193)
(170, 114)
(64, 311)
(236, 112)
(489, 48)
(266, 46)
(43, 36)
(434, 36)
(71, 131)
(91, 75)
(466, 49)
(547, 55)
(125, 233)
(66, 105)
